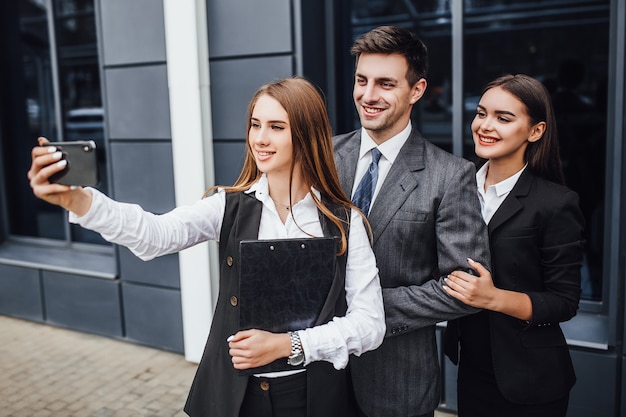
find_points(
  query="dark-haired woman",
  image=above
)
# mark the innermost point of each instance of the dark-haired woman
(514, 360)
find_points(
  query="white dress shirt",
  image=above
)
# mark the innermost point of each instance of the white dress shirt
(389, 150)
(494, 195)
(149, 235)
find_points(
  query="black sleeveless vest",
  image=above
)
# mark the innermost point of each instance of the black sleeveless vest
(218, 388)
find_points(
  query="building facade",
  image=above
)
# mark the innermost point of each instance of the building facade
(162, 88)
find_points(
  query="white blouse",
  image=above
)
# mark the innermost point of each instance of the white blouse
(149, 235)
(493, 196)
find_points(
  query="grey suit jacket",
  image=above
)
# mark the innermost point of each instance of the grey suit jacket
(426, 222)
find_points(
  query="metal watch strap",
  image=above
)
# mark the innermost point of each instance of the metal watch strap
(296, 345)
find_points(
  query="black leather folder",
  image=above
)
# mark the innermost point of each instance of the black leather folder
(284, 283)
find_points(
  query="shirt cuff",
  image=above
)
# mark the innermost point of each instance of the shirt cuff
(76, 219)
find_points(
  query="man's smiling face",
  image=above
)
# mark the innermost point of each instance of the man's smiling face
(382, 94)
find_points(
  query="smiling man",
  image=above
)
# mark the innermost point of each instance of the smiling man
(422, 204)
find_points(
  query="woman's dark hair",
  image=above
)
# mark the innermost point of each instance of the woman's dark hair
(395, 40)
(542, 156)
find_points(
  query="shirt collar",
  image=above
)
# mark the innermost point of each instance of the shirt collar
(390, 148)
(502, 187)
(259, 187)
(261, 190)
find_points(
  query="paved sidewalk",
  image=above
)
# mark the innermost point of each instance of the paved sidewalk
(46, 371)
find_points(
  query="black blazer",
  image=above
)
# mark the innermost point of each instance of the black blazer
(536, 248)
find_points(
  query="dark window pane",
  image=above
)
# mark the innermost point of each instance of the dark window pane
(431, 20)
(565, 45)
(28, 111)
(79, 83)
(29, 107)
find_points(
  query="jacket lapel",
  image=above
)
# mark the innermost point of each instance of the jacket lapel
(346, 160)
(511, 203)
(399, 183)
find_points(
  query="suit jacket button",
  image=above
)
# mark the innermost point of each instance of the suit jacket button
(233, 301)
(265, 385)
(229, 261)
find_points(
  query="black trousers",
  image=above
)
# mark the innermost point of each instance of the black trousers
(478, 396)
(431, 414)
(275, 397)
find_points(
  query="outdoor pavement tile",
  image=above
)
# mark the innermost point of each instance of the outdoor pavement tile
(46, 371)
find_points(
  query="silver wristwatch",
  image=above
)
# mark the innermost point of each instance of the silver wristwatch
(297, 354)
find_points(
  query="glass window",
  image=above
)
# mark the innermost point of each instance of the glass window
(562, 43)
(431, 20)
(52, 82)
(565, 45)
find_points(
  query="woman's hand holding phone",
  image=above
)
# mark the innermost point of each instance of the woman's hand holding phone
(46, 161)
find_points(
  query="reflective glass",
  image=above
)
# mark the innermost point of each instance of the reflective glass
(564, 45)
(79, 83)
(29, 85)
(431, 20)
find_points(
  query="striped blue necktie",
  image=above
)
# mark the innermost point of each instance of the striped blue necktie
(363, 195)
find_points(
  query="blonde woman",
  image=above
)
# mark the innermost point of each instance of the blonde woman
(288, 188)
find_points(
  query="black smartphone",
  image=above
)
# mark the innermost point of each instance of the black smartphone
(82, 163)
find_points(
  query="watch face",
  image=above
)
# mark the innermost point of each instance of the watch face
(296, 360)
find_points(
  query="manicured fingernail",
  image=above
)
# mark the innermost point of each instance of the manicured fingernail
(73, 187)
(470, 259)
(57, 155)
(62, 163)
(230, 338)
(52, 149)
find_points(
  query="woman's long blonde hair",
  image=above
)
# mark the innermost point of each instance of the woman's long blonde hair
(312, 146)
